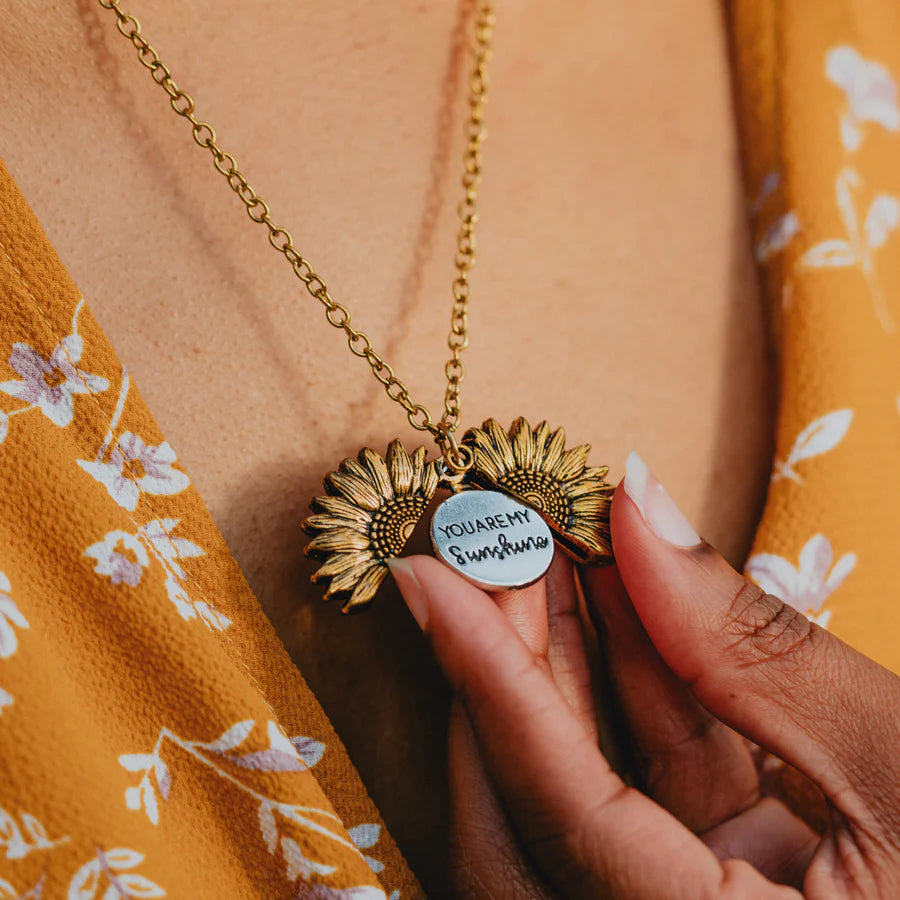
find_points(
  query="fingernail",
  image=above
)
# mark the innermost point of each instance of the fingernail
(665, 519)
(410, 589)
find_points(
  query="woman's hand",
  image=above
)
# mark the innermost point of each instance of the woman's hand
(699, 657)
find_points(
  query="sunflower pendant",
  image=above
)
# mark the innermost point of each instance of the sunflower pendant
(523, 492)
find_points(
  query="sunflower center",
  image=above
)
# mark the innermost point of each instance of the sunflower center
(540, 491)
(393, 524)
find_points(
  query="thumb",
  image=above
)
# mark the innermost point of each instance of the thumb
(756, 663)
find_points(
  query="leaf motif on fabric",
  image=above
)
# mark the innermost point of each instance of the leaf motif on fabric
(778, 236)
(832, 253)
(298, 865)
(135, 885)
(820, 436)
(365, 836)
(136, 762)
(85, 882)
(267, 827)
(309, 750)
(11, 837)
(122, 858)
(881, 219)
(233, 737)
(270, 761)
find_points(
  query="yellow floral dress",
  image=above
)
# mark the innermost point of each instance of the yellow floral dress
(156, 740)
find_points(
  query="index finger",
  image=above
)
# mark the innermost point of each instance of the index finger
(588, 831)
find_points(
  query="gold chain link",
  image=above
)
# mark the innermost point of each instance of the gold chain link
(337, 314)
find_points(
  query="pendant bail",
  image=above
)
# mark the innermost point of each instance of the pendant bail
(457, 460)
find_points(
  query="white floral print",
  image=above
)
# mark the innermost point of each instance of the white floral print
(18, 839)
(777, 237)
(10, 619)
(820, 436)
(158, 534)
(881, 219)
(121, 556)
(191, 609)
(50, 384)
(366, 836)
(808, 586)
(108, 877)
(277, 819)
(134, 467)
(870, 90)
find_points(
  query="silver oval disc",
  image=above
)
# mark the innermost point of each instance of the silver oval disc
(492, 540)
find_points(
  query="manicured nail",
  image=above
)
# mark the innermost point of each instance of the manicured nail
(410, 589)
(665, 519)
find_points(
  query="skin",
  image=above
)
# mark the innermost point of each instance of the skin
(613, 291)
(699, 657)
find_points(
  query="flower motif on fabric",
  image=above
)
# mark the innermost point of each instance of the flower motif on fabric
(135, 467)
(234, 757)
(122, 557)
(49, 384)
(108, 876)
(856, 249)
(10, 619)
(871, 93)
(807, 586)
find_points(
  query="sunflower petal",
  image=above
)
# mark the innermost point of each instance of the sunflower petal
(430, 480)
(500, 440)
(541, 433)
(556, 446)
(400, 466)
(581, 487)
(377, 471)
(487, 459)
(354, 468)
(572, 463)
(356, 490)
(590, 505)
(338, 506)
(418, 466)
(522, 444)
(323, 522)
(339, 540)
(366, 589)
(338, 563)
(347, 581)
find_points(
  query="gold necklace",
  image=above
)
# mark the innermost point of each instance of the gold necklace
(513, 493)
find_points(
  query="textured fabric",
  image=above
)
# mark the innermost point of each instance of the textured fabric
(816, 91)
(816, 86)
(155, 738)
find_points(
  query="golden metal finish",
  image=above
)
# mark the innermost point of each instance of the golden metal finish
(370, 512)
(372, 505)
(336, 313)
(534, 467)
